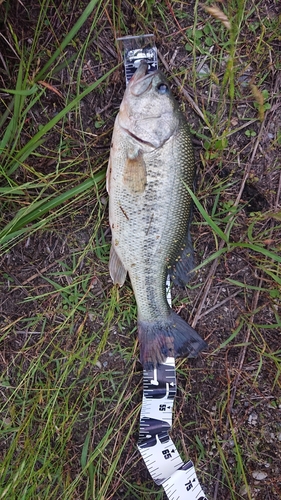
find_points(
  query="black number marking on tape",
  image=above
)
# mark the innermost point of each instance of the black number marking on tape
(166, 454)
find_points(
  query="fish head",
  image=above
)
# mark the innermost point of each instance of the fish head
(148, 112)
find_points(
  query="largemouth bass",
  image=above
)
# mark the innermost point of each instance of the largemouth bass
(151, 160)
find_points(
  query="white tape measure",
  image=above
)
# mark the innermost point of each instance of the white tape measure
(160, 455)
(156, 447)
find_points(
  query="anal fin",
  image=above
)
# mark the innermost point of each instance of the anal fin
(117, 270)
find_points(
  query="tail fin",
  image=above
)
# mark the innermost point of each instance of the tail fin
(171, 337)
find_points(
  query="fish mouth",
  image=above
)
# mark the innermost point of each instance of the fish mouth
(141, 81)
(140, 72)
(139, 139)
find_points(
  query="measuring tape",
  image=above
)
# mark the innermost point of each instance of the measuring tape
(158, 451)
(160, 455)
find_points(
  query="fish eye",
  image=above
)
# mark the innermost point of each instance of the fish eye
(162, 88)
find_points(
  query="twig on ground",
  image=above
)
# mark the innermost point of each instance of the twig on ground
(227, 299)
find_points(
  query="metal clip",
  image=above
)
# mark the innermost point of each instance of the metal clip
(137, 49)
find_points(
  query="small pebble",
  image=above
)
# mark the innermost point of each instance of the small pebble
(244, 491)
(259, 476)
(205, 70)
(253, 418)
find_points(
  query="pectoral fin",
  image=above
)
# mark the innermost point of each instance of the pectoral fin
(117, 270)
(135, 172)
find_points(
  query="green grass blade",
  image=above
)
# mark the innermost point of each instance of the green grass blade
(84, 16)
(34, 142)
(259, 249)
(217, 230)
(22, 93)
(38, 209)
